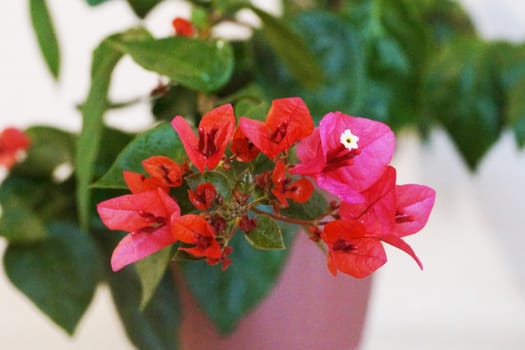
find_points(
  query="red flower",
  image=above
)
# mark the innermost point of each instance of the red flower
(215, 131)
(195, 230)
(287, 122)
(146, 216)
(243, 148)
(391, 212)
(203, 196)
(350, 250)
(346, 155)
(182, 27)
(283, 187)
(165, 170)
(12, 142)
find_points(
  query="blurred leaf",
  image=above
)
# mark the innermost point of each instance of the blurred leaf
(45, 34)
(464, 95)
(150, 272)
(290, 47)
(266, 235)
(105, 58)
(194, 63)
(18, 224)
(161, 140)
(156, 326)
(59, 275)
(446, 19)
(50, 148)
(336, 45)
(143, 7)
(227, 296)
(397, 46)
(509, 62)
(176, 101)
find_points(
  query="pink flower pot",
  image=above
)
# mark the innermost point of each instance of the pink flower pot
(307, 309)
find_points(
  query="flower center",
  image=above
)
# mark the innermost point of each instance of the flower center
(207, 145)
(343, 245)
(349, 140)
(279, 133)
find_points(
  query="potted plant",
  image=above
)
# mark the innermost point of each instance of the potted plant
(237, 165)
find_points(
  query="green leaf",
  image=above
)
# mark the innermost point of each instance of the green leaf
(49, 148)
(337, 47)
(176, 101)
(150, 272)
(266, 235)
(464, 95)
(218, 179)
(194, 63)
(314, 208)
(292, 50)
(45, 34)
(105, 58)
(19, 224)
(59, 275)
(156, 326)
(227, 296)
(161, 140)
(143, 7)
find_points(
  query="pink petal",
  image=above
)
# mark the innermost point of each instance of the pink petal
(415, 202)
(190, 141)
(368, 256)
(138, 245)
(310, 155)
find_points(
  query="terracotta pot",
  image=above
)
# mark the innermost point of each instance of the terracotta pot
(307, 309)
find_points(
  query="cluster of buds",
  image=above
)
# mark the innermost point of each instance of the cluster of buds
(240, 177)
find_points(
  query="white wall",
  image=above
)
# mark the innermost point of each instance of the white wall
(471, 294)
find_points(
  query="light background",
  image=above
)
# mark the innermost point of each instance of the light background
(471, 294)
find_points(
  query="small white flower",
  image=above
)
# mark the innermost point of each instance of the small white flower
(349, 140)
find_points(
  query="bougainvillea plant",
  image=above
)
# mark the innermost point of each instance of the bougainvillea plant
(233, 192)
(235, 163)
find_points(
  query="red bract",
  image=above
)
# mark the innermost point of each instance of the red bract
(145, 216)
(413, 206)
(195, 230)
(243, 148)
(182, 26)
(165, 170)
(203, 196)
(387, 216)
(12, 142)
(284, 188)
(287, 122)
(346, 155)
(139, 182)
(215, 131)
(350, 250)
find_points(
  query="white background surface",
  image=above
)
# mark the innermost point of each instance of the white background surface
(471, 294)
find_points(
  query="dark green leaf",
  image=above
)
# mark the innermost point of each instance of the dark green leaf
(19, 224)
(464, 95)
(150, 272)
(176, 101)
(314, 208)
(227, 296)
(266, 235)
(105, 58)
(59, 275)
(161, 140)
(142, 7)
(336, 45)
(218, 179)
(45, 34)
(194, 63)
(156, 326)
(292, 50)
